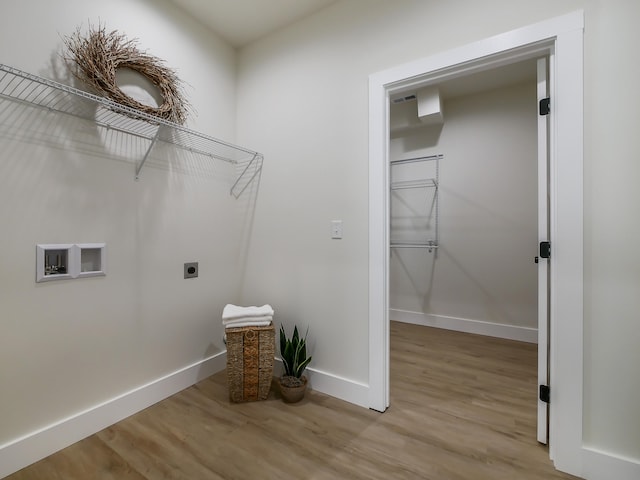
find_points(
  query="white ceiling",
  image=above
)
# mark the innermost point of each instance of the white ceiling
(498, 77)
(240, 22)
(506, 75)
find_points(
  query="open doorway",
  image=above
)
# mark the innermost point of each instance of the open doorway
(463, 229)
(463, 206)
(560, 39)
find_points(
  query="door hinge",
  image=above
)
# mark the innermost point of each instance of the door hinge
(544, 393)
(545, 249)
(545, 104)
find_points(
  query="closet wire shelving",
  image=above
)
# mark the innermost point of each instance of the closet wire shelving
(430, 244)
(35, 91)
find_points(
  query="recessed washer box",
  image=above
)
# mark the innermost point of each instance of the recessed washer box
(70, 260)
(53, 261)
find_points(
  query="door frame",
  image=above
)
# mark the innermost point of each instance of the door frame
(560, 38)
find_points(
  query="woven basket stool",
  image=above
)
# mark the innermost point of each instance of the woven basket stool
(250, 353)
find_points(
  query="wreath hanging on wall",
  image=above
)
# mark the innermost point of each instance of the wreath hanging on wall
(96, 57)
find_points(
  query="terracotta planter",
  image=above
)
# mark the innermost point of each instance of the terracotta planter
(293, 394)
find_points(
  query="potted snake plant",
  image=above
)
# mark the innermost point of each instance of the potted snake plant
(294, 360)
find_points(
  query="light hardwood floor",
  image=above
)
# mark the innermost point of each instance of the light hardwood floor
(462, 407)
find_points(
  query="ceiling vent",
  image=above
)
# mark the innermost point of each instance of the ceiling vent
(406, 98)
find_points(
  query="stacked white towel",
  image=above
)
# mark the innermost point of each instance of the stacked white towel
(234, 316)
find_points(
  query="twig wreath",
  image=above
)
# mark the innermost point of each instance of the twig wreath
(99, 54)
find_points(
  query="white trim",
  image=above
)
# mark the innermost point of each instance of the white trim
(378, 244)
(562, 39)
(333, 385)
(339, 387)
(599, 465)
(478, 327)
(567, 244)
(34, 446)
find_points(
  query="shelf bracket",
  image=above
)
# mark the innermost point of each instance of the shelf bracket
(256, 158)
(146, 155)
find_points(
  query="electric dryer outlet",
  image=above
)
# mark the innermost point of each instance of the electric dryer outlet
(191, 270)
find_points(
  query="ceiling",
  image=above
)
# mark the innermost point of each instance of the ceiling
(240, 22)
(494, 78)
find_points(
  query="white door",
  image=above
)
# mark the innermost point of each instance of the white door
(543, 263)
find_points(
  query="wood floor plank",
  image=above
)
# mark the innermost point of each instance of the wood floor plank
(88, 459)
(463, 407)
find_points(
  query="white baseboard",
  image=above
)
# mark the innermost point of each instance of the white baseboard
(333, 385)
(511, 332)
(34, 446)
(342, 388)
(599, 465)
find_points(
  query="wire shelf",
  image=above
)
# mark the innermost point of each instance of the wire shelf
(31, 90)
(397, 241)
(406, 184)
(430, 245)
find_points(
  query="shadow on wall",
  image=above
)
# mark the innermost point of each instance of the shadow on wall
(406, 259)
(494, 309)
(246, 204)
(418, 138)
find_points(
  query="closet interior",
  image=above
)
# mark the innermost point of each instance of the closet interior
(463, 204)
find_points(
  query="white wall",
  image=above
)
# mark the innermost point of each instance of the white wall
(483, 270)
(303, 101)
(67, 346)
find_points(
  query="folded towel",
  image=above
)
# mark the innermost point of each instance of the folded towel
(234, 311)
(263, 318)
(249, 323)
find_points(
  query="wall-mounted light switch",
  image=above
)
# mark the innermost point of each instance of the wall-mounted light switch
(336, 229)
(191, 270)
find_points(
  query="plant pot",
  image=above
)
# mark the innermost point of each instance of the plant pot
(292, 394)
